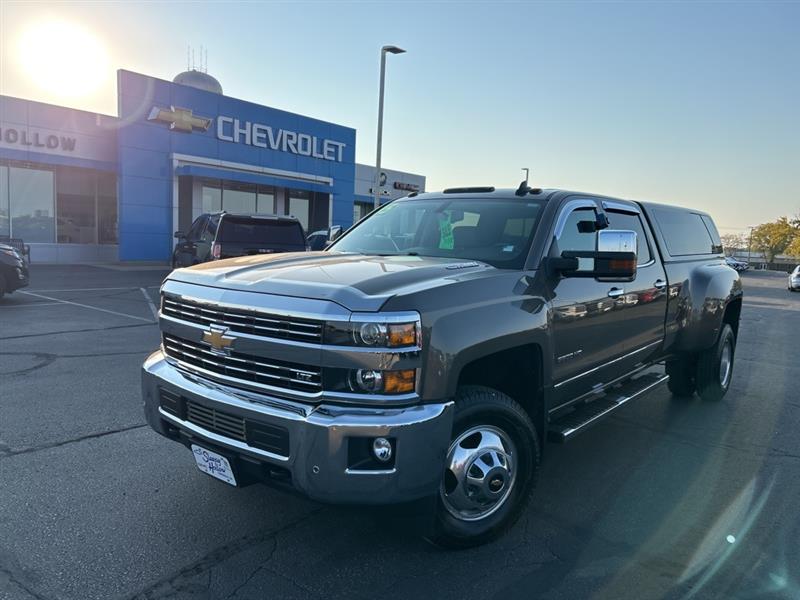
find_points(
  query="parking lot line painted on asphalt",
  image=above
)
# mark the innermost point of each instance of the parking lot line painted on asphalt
(152, 306)
(105, 310)
(33, 304)
(96, 289)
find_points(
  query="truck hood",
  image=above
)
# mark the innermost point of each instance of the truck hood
(356, 281)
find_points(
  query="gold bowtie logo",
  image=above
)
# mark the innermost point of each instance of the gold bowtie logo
(216, 338)
(179, 119)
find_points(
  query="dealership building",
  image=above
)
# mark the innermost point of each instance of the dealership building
(79, 186)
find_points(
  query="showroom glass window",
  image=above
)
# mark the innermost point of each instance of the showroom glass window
(68, 205)
(239, 197)
(107, 208)
(32, 204)
(5, 223)
(300, 206)
(212, 196)
(75, 206)
(265, 203)
(360, 210)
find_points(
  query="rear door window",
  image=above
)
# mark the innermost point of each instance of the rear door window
(685, 233)
(632, 222)
(196, 230)
(261, 232)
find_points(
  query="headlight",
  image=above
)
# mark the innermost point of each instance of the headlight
(400, 330)
(370, 381)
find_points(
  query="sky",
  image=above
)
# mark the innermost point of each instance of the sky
(690, 103)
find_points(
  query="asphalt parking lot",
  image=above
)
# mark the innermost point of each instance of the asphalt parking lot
(675, 499)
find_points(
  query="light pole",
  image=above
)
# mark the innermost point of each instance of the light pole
(376, 183)
(749, 246)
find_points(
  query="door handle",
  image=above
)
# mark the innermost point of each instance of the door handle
(660, 284)
(615, 292)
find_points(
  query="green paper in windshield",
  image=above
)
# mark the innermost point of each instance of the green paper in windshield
(445, 232)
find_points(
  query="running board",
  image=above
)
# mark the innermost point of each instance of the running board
(580, 419)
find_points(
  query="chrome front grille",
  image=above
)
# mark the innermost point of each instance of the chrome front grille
(245, 367)
(243, 320)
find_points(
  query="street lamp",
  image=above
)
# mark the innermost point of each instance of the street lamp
(376, 183)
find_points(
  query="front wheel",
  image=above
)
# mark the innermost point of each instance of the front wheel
(490, 469)
(715, 366)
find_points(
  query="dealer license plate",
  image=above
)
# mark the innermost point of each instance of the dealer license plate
(213, 464)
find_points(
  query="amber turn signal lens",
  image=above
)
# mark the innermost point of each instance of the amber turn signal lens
(398, 382)
(622, 265)
(403, 334)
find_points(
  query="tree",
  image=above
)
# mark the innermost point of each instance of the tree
(773, 238)
(793, 249)
(733, 241)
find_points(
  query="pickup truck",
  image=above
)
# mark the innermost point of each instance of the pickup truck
(434, 347)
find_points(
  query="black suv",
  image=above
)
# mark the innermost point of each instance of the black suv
(226, 235)
(13, 270)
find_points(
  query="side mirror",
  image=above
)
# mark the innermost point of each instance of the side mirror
(614, 259)
(334, 232)
(180, 235)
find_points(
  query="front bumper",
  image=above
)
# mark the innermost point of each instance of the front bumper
(320, 438)
(17, 275)
(794, 284)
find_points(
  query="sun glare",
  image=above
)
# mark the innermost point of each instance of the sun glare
(63, 58)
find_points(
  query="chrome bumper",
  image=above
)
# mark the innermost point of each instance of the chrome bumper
(319, 437)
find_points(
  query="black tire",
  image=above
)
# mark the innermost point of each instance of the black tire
(2, 286)
(713, 379)
(682, 376)
(483, 407)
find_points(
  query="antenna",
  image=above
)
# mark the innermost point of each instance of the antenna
(523, 188)
(188, 60)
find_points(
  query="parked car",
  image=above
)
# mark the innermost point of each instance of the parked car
(737, 264)
(432, 350)
(794, 279)
(318, 240)
(214, 236)
(13, 270)
(19, 245)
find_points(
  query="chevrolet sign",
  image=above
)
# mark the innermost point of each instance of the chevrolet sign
(264, 136)
(179, 119)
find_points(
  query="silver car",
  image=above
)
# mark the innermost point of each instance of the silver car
(794, 279)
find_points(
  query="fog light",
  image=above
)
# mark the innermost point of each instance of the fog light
(382, 449)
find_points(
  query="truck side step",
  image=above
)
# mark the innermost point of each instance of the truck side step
(585, 415)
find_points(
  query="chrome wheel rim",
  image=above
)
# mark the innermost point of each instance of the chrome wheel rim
(725, 364)
(479, 473)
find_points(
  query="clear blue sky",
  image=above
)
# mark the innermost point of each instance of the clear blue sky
(694, 103)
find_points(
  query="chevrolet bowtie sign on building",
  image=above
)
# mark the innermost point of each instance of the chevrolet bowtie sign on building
(179, 119)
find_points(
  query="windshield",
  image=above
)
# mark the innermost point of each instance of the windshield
(491, 230)
(270, 232)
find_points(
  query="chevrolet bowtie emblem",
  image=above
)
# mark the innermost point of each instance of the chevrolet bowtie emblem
(216, 338)
(179, 119)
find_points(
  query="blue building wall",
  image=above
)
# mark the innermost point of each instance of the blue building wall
(145, 147)
(94, 135)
